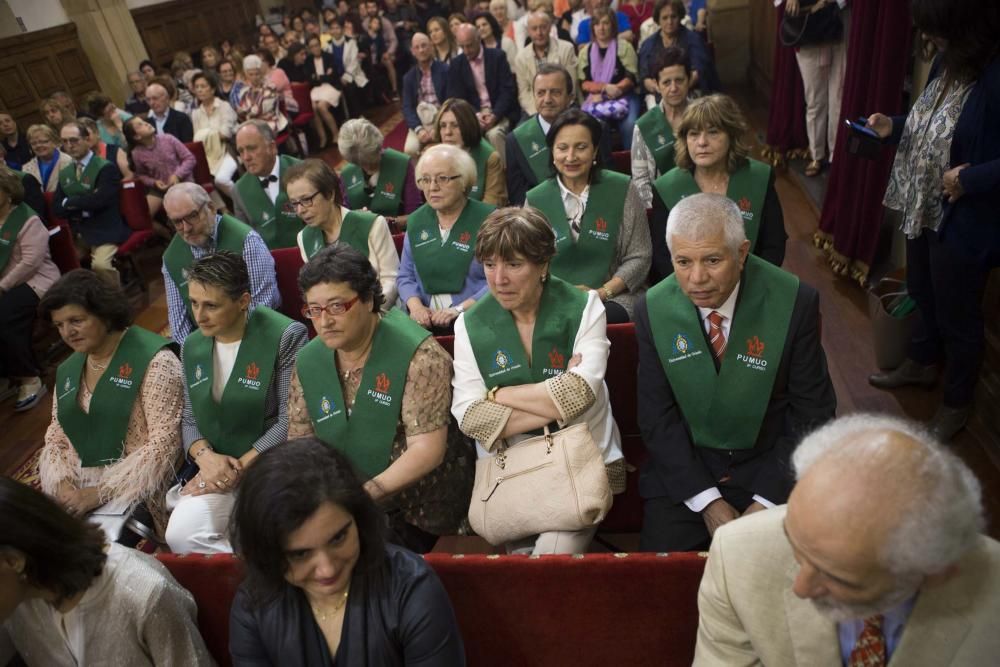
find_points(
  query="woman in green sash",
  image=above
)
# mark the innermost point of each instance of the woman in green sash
(26, 271)
(439, 276)
(378, 388)
(456, 125)
(712, 155)
(236, 370)
(602, 241)
(114, 436)
(532, 352)
(314, 192)
(376, 178)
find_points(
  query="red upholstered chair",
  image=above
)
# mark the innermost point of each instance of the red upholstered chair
(398, 240)
(135, 211)
(287, 262)
(202, 176)
(62, 248)
(300, 91)
(448, 343)
(637, 610)
(51, 220)
(621, 161)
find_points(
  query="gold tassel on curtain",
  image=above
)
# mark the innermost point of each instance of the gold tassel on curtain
(841, 265)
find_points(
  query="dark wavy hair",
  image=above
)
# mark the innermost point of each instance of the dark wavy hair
(62, 553)
(223, 269)
(574, 116)
(279, 492)
(84, 288)
(971, 27)
(340, 263)
(494, 25)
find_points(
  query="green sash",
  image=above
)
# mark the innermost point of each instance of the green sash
(230, 235)
(587, 261)
(659, 137)
(442, 267)
(502, 359)
(98, 436)
(480, 154)
(365, 436)
(531, 139)
(74, 187)
(354, 231)
(12, 226)
(747, 187)
(724, 409)
(234, 424)
(277, 223)
(388, 197)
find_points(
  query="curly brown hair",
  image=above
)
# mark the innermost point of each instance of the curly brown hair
(718, 111)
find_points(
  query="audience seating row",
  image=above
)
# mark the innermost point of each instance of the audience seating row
(598, 609)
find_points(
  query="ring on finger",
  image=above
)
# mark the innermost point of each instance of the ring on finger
(201, 485)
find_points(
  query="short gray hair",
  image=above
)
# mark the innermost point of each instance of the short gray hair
(261, 126)
(941, 515)
(463, 162)
(704, 215)
(252, 62)
(359, 140)
(538, 15)
(199, 198)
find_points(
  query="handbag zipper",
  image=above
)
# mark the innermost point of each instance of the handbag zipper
(499, 480)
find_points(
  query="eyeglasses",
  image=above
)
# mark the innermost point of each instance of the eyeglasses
(188, 219)
(425, 181)
(332, 308)
(305, 202)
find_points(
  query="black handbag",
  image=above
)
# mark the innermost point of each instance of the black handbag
(812, 29)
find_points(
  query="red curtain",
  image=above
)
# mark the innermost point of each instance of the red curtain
(878, 59)
(786, 123)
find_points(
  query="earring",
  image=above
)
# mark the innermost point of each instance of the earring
(544, 278)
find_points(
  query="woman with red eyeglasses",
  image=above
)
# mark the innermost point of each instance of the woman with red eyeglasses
(378, 388)
(237, 366)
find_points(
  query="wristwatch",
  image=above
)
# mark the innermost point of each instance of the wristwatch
(606, 293)
(459, 309)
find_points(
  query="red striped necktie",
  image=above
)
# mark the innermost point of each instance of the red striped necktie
(869, 650)
(715, 335)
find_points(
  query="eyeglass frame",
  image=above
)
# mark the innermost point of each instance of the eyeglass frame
(186, 220)
(425, 182)
(304, 202)
(333, 309)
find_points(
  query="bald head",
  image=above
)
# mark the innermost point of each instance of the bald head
(468, 40)
(157, 98)
(421, 48)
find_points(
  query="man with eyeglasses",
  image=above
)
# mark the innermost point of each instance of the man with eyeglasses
(259, 198)
(136, 103)
(87, 195)
(200, 232)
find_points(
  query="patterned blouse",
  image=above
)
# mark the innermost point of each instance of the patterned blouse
(923, 157)
(439, 502)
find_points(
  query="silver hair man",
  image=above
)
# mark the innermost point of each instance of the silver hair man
(703, 216)
(360, 141)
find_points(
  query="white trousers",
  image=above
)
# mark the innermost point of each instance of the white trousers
(822, 69)
(554, 542)
(199, 524)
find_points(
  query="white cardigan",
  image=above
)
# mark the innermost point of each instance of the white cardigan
(591, 343)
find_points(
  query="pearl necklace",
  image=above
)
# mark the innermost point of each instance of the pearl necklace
(323, 616)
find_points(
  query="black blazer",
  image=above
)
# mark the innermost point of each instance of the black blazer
(408, 617)
(499, 83)
(411, 90)
(34, 197)
(329, 65)
(178, 124)
(521, 178)
(102, 223)
(802, 398)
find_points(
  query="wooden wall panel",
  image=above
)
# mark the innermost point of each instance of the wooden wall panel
(188, 25)
(763, 33)
(39, 63)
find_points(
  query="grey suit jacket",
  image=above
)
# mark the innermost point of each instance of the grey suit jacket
(750, 616)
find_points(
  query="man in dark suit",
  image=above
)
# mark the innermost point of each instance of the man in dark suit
(87, 195)
(166, 119)
(528, 162)
(424, 89)
(731, 375)
(482, 77)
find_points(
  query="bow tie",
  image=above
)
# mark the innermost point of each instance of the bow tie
(268, 179)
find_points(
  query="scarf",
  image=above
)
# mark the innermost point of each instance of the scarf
(602, 68)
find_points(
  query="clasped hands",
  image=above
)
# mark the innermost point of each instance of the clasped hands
(792, 7)
(217, 473)
(718, 513)
(427, 317)
(78, 501)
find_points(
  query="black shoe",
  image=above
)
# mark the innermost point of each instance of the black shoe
(949, 421)
(909, 373)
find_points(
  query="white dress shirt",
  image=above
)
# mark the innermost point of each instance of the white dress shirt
(574, 205)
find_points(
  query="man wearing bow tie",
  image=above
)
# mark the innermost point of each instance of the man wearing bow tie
(259, 196)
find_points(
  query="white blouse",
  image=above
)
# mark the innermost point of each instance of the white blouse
(382, 254)
(593, 346)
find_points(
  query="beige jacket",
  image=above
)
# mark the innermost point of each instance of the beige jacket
(560, 52)
(750, 616)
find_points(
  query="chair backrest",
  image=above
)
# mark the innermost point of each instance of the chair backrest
(202, 175)
(133, 206)
(621, 161)
(287, 262)
(601, 607)
(51, 219)
(62, 248)
(300, 91)
(398, 240)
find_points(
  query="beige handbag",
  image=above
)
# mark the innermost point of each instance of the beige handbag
(555, 481)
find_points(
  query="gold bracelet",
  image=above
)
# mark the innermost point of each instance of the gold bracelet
(607, 293)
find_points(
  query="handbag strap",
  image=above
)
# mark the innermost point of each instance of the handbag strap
(798, 37)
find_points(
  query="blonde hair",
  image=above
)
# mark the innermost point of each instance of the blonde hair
(719, 111)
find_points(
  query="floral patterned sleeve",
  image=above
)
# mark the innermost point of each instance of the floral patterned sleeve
(299, 424)
(427, 395)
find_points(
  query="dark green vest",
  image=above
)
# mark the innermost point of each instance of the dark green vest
(277, 223)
